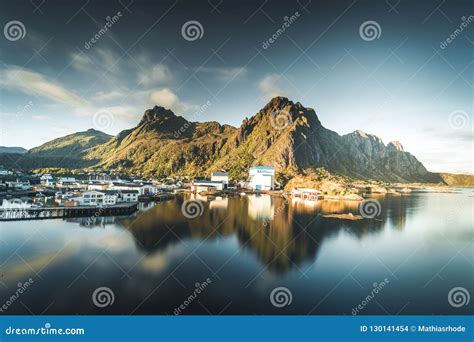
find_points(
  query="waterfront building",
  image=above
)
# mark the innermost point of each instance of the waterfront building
(204, 185)
(220, 177)
(261, 178)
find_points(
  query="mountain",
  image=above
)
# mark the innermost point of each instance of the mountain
(6, 149)
(163, 144)
(72, 145)
(458, 180)
(284, 134)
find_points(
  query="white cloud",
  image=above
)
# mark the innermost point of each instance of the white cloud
(152, 75)
(269, 86)
(34, 83)
(40, 117)
(166, 98)
(225, 74)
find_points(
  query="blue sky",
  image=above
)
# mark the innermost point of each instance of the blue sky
(400, 86)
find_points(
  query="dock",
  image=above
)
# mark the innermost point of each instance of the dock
(13, 214)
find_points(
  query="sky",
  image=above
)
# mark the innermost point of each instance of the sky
(384, 67)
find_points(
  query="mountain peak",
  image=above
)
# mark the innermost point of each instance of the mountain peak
(157, 112)
(395, 145)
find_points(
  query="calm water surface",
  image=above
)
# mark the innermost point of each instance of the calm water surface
(421, 247)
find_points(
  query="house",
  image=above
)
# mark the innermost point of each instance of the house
(92, 197)
(124, 196)
(97, 185)
(262, 178)
(204, 185)
(47, 180)
(5, 172)
(147, 189)
(19, 185)
(220, 177)
(306, 193)
(143, 189)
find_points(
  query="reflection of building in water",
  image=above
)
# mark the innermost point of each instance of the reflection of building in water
(144, 206)
(261, 207)
(219, 203)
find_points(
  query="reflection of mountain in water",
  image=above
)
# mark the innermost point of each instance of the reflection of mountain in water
(282, 234)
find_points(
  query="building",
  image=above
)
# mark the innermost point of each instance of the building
(125, 196)
(306, 193)
(106, 197)
(47, 180)
(262, 178)
(205, 185)
(19, 185)
(97, 185)
(92, 197)
(220, 177)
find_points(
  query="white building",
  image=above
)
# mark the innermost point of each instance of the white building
(200, 185)
(220, 177)
(19, 185)
(97, 185)
(143, 189)
(92, 197)
(262, 177)
(47, 180)
(106, 198)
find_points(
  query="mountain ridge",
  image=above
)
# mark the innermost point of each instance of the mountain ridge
(284, 134)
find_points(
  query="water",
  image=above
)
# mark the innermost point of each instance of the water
(413, 254)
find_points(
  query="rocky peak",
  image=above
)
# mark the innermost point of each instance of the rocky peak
(395, 146)
(157, 113)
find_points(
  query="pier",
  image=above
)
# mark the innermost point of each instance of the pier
(12, 214)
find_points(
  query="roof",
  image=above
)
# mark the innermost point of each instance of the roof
(205, 181)
(130, 185)
(111, 192)
(262, 168)
(220, 173)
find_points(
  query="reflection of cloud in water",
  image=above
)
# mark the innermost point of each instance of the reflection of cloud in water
(18, 269)
(154, 263)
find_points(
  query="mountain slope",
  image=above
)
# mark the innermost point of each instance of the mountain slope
(72, 145)
(12, 149)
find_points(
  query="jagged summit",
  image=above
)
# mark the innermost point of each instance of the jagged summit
(395, 145)
(157, 112)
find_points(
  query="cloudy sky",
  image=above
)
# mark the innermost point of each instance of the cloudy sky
(385, 67)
